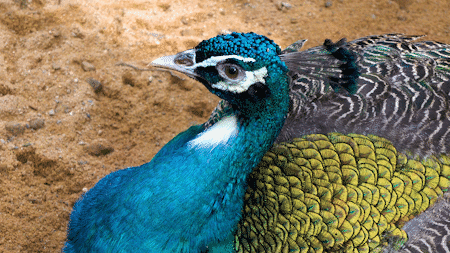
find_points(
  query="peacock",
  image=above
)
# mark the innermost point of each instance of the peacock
(331, 149)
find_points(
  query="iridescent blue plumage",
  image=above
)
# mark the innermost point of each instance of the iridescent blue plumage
(190, 195)
(243, 44)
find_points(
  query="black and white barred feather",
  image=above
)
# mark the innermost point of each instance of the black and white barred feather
(430, 231)
(402, 91)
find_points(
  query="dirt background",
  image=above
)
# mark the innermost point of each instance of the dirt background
(69, 114)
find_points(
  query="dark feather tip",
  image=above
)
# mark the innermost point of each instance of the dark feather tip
(350, 70)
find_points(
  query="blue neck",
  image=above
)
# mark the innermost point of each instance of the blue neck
(189, 196)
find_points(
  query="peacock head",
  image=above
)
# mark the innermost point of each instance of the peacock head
(242, 68)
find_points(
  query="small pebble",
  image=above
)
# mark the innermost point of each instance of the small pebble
(82, 162)
(87, 66)
(128, 79)
(3, 167)
(15, 128)
(56, 33)
(283, 6)
(95, 84)
(51, 112)
(76, 33)
(99, 148)
(328, 4)
(185, 21)
(225, 31)
(187, 32)
(56, 66)
(37, 123)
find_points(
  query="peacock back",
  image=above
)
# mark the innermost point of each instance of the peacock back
(336, 193)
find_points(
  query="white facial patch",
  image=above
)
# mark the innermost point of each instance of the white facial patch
(215, 59)
(251, 77)
(219, 133)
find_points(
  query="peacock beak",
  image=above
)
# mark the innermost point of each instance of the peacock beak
(183, 62)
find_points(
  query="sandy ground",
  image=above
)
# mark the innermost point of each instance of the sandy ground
(69, 114)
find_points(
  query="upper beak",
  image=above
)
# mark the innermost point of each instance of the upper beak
(183, 62)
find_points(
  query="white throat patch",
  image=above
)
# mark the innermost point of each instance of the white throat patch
(219, 133)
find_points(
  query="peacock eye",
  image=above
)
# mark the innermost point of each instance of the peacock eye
(230, 71)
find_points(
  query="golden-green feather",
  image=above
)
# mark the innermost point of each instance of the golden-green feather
(336, 193)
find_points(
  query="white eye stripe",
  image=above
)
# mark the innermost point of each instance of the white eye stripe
(215, 59)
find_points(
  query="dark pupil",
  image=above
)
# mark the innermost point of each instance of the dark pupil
(231, 71)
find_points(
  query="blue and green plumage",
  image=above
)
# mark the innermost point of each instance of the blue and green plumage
(189, 198)
(191, 194)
